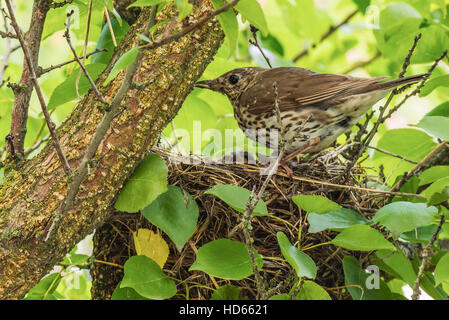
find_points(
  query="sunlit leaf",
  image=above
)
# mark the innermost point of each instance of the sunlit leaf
(361, 238)
(146, 277)
(148, 181)
(301, 262)
(226, 259)
(176, 213)
(152, 245)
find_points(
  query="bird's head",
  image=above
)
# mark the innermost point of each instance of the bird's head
(232, 83)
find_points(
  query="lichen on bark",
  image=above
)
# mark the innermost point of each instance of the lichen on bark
(30, 196)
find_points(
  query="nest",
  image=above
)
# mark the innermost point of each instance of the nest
(218, 220)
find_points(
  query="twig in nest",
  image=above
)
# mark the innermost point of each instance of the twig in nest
(427, 254)
(50, 124)
(254, 30)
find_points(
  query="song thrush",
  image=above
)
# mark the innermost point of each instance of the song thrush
(329, 104)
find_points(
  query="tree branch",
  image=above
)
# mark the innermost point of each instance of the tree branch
(30, 200)
(159, 42)
(23, 90)
(28, 59)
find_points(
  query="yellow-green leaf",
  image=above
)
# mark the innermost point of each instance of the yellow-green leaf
(151, 245)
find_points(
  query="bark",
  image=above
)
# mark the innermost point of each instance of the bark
(32, 194)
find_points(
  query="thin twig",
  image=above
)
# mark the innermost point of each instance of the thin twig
(363, 64)
(417, 89)
(254, 30)
(427, 254)
(159, 42)
(362, 147)
(51, 68)
(254, 199)
(50, 124)
(9, 49)
(297, 289)
(86, 73)
(407, 176)
(86, 41)
(331, 30)
(392, 154)
(111, 30)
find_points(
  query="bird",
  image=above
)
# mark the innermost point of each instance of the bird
(315, 108)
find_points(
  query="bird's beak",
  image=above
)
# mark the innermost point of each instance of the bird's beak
(208, 84)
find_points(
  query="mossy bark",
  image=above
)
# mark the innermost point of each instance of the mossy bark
(33, 192)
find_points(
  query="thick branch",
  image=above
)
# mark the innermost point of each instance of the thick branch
(30, 199)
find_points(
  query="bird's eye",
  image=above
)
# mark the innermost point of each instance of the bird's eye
(233, 79)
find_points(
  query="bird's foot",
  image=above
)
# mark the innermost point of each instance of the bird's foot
(285, 160)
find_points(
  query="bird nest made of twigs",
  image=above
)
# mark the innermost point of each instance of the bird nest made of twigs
(219, 220)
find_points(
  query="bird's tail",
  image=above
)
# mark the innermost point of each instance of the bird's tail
(401, 81)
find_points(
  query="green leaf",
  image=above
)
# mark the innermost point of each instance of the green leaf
(432, 174)
(45, 288)
(105, 40)
(440, 110)
(412, 144)
(442, 269)
(237, 197)
(123, 62)
(334, 220)
(396, 12)
(404, 216)
(184, 8)
(433, 83)
(437, 126)
(251, 10)
(315, 203)
(226, 259)
(434, 41)
(357, 279)
(281, 296)
(398, 264)
(361, 238)
(362, 5)
(421, 234)
(175, 213)
(126, 293)
(66, 91)
(312, 291)
(301, 262)
(228, 292)
(228, 22)
(438, 191)
(303, 18)
(148, 181)
(272, 43)
(146, 277)
(144, 3)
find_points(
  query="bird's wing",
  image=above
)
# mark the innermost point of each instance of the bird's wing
(299, 87)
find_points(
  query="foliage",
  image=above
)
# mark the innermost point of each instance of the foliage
(286, 27)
